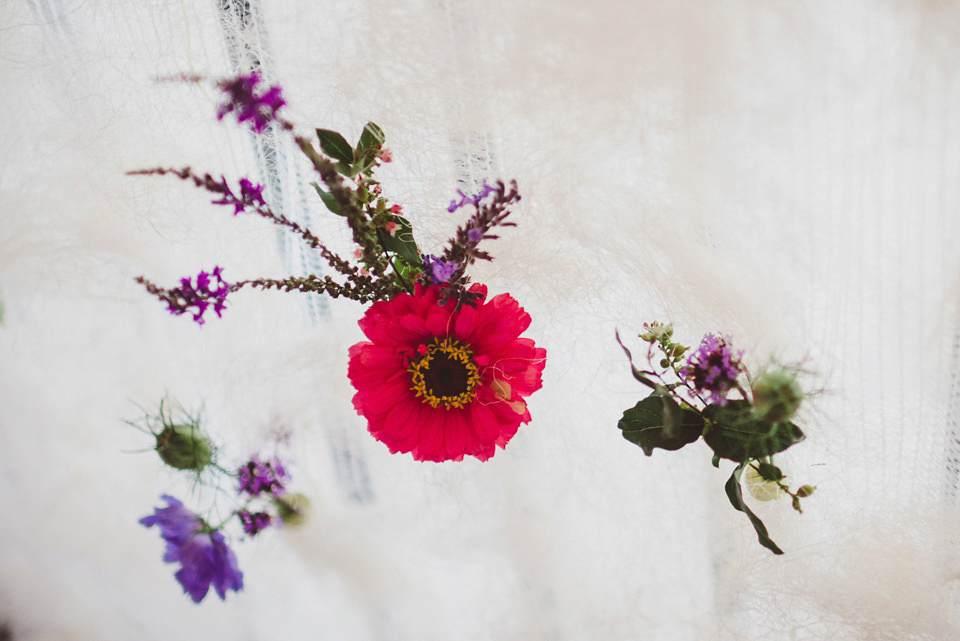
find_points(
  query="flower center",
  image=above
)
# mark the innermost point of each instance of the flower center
(445, 374)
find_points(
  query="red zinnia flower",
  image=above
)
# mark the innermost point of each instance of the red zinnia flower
(441, 382)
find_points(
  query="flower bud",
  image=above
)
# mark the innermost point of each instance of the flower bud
(292, 507)
(806, 490)
(776, 396)
(184, 447)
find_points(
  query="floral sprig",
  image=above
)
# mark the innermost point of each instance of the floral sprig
(388, 259)
(260, 500)
(704, 395)
(445, 372)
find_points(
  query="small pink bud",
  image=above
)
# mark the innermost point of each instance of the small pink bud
(358, 253)
(396, 210)
(392, 228)
(385, 155)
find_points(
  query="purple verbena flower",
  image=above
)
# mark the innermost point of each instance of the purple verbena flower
(257, 476)
(254, 522)
(196, 298)
(438, 270)
(203, 555)
(250, 102)
(470, 200)
(713, 368)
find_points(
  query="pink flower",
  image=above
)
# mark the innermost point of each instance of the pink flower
(441, 382)
(385, 155)
(396, 210)
(392, 228)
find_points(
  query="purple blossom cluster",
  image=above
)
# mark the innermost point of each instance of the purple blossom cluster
(249, 102)
(250, 195)
(254, 522)
(257, 476)
(437, 270)
(465, 200)
(712, 370)
(203, 554)
(197, 298)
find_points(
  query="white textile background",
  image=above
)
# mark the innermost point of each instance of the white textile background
(783, 172)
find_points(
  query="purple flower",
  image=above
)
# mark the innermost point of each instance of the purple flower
(438, 270)
(196, 298)
(254, 522)
(258, 476)
(250, 195)
(713, 368)
(203, 554)
(250, 103)
(470, 200)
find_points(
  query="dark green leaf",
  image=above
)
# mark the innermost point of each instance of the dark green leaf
(716, 461)
(366, 159)
(769, 472)
(372, 136)
(736, 434)
(735, 495)
(401, 242)
(637, 374)
(645, 425)
(328, 200)
(335, 146)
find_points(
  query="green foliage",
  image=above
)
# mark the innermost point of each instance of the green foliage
(335, 146)
(735, 433)
(658, 422)
(401, 242)
(372, 137)
(735, 494)
(328, 200)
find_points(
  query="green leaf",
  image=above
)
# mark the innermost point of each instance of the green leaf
(328, 200)
(401, 242)
(736, 434)
(769, 472)
(646, 424)
(335, 146)
(372, 136)
(735, 495)
(637, 374)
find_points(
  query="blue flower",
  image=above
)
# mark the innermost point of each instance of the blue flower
(203, 554)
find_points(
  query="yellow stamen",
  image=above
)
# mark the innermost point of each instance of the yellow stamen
(446, 375)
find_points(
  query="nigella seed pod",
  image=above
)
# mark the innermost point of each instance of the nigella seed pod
(184, 447)
(776, 396)
(292, 507)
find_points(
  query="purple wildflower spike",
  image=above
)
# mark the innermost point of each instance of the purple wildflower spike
(465, 200)
(438, 270)
(250, 102)
(196, 298)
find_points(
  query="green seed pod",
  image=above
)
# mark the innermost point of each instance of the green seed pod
(292, 507)
(184, 447)
(776, 396)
